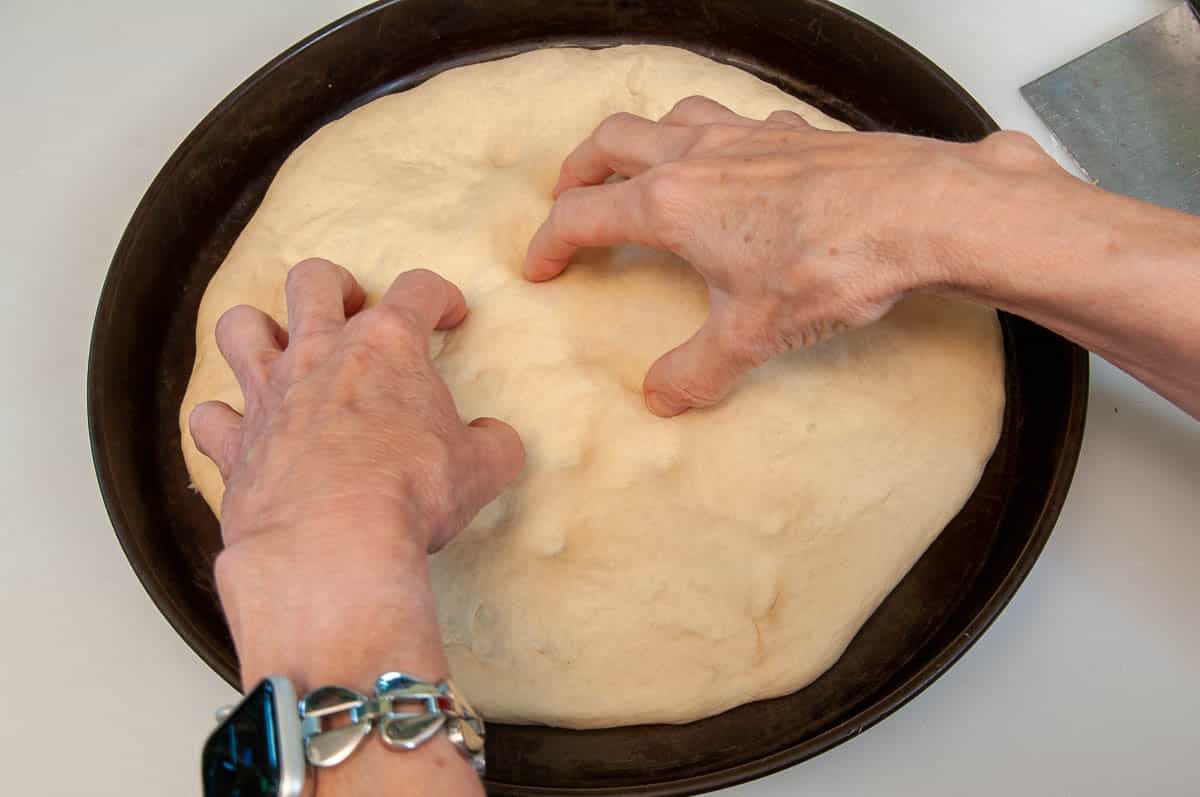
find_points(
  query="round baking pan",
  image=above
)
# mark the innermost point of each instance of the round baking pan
(142, 351)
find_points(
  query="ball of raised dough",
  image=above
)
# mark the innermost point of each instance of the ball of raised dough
(642, 569)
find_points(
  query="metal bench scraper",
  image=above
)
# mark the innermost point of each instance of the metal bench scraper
(1129, 110)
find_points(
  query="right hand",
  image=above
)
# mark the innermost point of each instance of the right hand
(799, 232)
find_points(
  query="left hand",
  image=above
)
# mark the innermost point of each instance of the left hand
(350, 464)
(345, 415)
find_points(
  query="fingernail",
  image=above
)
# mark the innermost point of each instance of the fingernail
(662, 405)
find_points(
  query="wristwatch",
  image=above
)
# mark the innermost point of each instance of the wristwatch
(263, 746)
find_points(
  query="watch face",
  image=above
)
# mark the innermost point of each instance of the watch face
(242, 758)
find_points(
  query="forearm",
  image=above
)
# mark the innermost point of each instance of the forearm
(1118, 276)
(342, 614)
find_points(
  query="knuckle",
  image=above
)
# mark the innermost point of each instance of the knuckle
(561, 213)
(608, 132)
(230, 455)
(387, 326)
(693, 102)
(698, 110)
(306, 269)
(747, 344)
(439, 461)
(358, 359)
(306, 357)
(785, 117)
(713, 138)
(439, 464)
(664, 195)
(422, 275)
(229, 320)
(263, 359)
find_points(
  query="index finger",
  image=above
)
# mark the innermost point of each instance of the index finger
(698, 110)
(624, 144)
(598, 215)
(435, 302)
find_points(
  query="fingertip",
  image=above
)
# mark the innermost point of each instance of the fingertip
(196, 418)
(434, 300)
(785, 117)
(659, 388)
(208, 412)
(506, 442)
(456, 308)
(662, 405)
(538, 267)
(216, 428)
(698, 373)
(543, 269)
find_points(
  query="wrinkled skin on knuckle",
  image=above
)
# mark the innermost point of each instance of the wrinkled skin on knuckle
(265, 359)
(388, 328)
(752, 337)
(691, 104)
(357, 359)
(606, 137)
(306, 356)
(229, 458)
(348, 384)
(786, 118)
(665, 203)
(437, 477)
(712, 139)
(804, 333)
(557, 220)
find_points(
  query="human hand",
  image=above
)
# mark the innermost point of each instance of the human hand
(799, 232)
(349, 464)
(345, 414)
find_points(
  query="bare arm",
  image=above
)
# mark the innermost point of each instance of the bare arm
(350, 464)
(801, 233)
(1117, 276)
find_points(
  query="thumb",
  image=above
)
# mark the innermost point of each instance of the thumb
(217, 431)
(700, 371)
(499, 457)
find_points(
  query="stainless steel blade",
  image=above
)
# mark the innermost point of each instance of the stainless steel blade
(1129, 110)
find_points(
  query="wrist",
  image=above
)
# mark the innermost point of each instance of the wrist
(339, 604)
(1003, 203)
(321, 605)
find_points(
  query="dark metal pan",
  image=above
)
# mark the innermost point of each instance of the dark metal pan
(142, 349)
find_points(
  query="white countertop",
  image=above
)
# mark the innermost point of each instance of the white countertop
(1085, 685)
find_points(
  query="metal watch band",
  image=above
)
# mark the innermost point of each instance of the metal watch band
(408, 712)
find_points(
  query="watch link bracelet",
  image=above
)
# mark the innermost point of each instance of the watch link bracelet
(263, 746)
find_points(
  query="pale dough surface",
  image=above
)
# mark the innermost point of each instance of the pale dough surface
(642, 570)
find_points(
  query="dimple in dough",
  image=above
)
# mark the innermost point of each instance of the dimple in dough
(641, 569)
